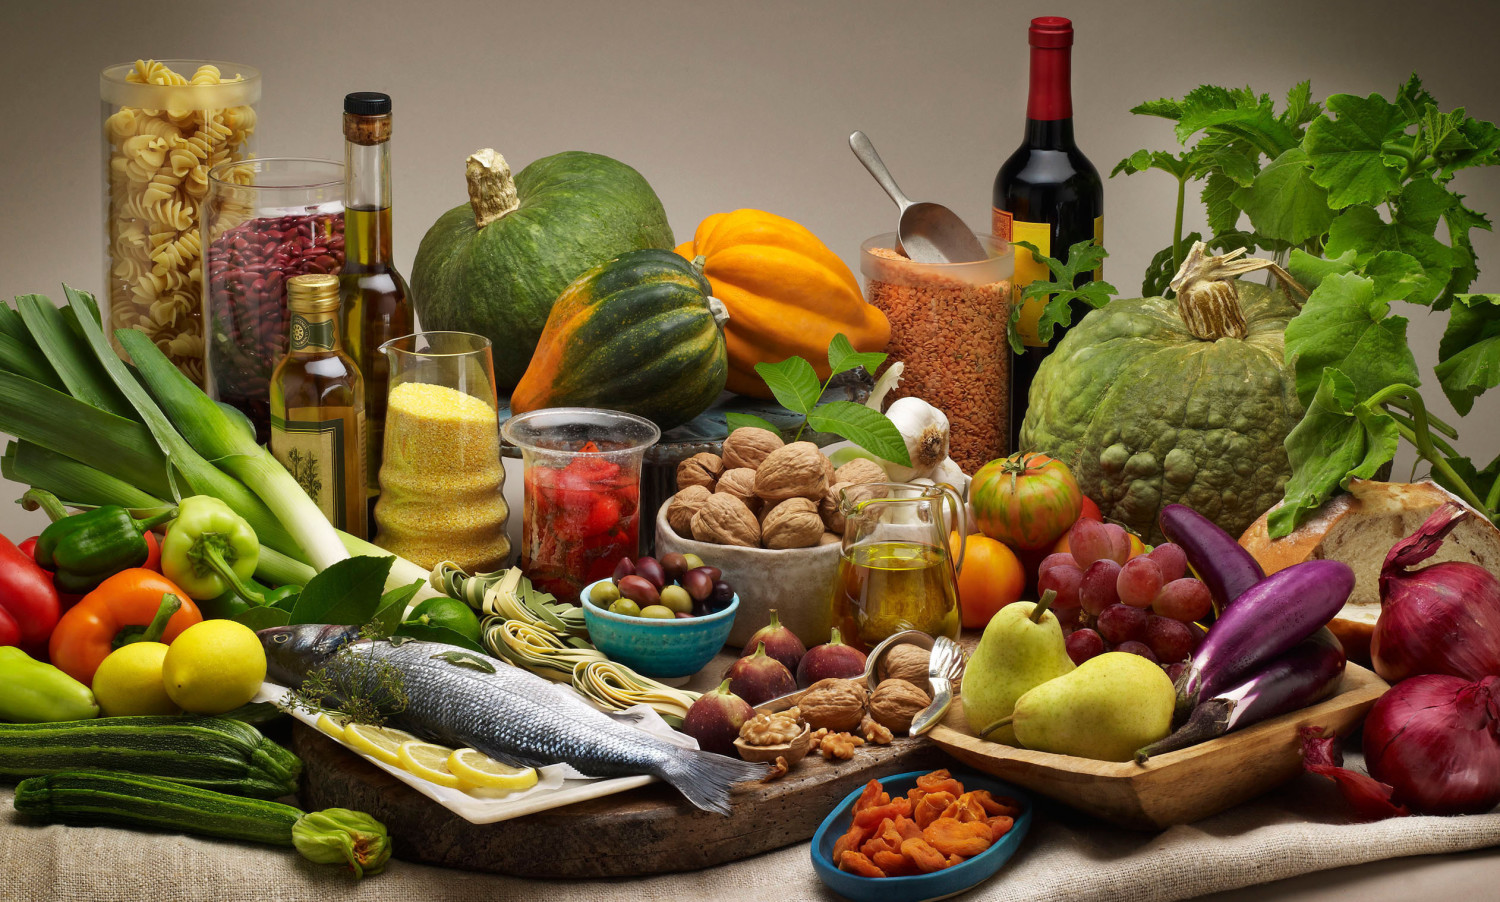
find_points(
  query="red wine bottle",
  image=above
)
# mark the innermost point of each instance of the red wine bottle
(1047, 193)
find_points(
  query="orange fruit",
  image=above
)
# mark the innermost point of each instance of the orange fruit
(992, 577)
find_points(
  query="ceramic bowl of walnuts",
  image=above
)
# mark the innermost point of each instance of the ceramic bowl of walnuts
(767, 513)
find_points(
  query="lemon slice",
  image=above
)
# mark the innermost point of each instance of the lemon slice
(330, 726)
(476, 770)
(428, 761)
(380, 743)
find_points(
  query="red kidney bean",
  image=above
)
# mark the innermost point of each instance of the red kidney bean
(248, 266)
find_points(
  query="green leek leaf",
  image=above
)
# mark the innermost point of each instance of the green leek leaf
(75, 364)
(70, 480)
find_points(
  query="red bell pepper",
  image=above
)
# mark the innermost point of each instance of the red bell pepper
(29, 606)
(67, 599)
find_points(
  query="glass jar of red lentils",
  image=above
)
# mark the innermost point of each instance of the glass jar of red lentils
(948, 327)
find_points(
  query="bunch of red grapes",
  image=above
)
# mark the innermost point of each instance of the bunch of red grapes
(1106, 600)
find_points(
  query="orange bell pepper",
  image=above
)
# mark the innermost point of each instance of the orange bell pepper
(108, 617)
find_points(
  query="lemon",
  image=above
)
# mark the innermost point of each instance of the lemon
(129, 682)
(380, 743)
(330, 726)
(428, 761)
(476, 770)
(214, 666)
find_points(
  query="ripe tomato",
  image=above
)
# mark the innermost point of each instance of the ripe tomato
(992, 577)
(1025, 500)
(1090, 510)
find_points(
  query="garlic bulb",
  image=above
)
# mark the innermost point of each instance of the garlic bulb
(951, 474)
(924, 429)
(888, 380)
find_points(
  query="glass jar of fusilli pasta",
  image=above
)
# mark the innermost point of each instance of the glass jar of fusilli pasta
(264, 221)
(166, 124)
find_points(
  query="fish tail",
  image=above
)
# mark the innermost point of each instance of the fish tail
(705, 777)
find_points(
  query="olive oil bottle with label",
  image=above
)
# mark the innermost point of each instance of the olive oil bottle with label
(318, 406)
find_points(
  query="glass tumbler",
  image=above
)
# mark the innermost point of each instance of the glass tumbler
(582, 495)
(264, 222)
(441, 477)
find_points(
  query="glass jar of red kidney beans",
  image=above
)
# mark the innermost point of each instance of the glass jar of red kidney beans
(264, 222)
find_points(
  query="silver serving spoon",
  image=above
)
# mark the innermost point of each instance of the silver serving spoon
(927, 233)
(944, 667)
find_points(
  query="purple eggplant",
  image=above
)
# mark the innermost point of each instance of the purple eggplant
(1268, 619)
(1225, 568)
(1296, 679)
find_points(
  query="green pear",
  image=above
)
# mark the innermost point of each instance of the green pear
(1022, 647)
(1111, 705)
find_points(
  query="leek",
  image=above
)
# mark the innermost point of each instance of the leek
(78, 484)
(81, 373)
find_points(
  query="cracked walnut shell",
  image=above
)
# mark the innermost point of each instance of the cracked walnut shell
(682, 507)
(894, 703)
(749, 446)
(794, 523)
(792, 471)
(701, 469)
(725, 520)
(833, 704)
(740, 482)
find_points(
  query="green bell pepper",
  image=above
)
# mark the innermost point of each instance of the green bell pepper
(40, 693)
(85, 549)
(210, 552)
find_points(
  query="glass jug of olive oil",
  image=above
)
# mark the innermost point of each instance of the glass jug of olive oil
(896, 571)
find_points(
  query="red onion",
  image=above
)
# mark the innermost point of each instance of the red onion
(1436, 740)
(1369, 798)
(1440, 619)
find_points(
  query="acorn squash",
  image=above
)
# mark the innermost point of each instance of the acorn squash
(1152, 401)
(638, 333)
(786, 292)
(495, 265)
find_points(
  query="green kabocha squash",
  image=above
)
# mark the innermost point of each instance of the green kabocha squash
(1152, 401)
(495, 265)
(638, 333)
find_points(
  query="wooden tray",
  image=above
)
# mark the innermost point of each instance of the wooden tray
(1176, 788)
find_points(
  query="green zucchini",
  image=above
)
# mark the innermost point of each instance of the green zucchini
(208, 752)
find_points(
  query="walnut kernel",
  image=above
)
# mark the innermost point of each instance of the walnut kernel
(894, 703)
(792, 471)
(833, 745)
(833, 704)
(794, 523)
(700, 469)
(725, 520)
(771, 728)
(748, 446)
(683, 506)
(874, 733)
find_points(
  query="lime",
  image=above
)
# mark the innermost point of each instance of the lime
(129, 682)
(448, 612)
(214, 666)
(476, 770)
(428, 761)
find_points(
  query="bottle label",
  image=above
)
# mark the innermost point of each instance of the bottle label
(317, 333)
(313, 443)
(1029, 269)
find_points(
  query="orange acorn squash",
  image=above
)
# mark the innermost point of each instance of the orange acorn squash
(786, 292)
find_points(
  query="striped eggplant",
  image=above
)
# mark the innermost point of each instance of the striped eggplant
(1296, 679)
(1225, 568)
(1266, 620)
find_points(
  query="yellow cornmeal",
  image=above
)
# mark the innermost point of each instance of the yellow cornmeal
(441, 479)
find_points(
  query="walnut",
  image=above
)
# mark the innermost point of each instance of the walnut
(830, 508)
(700, 469)
(682, 507)
(792, 471)
(771, 728)
(836, 745)
(740, 482)
(748, 446)
(875, 733)
(794, 523)
(895, 702)
(828, 469)
(860, 470)
(777, 770)
(906, 662)
(725, 520)
(831, 538)
(833, 704)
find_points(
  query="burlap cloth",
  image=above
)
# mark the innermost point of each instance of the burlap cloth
(1298, 829)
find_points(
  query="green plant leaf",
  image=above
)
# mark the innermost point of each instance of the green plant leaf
(869, 429)
(1160, 270)
(734, 419)
(1361, 230)
(1397, 276)
(1482, 482)
(1083, 257)
(1218, 202)
(1484, 147)
(1345, 326)
(1166, 108)
(1412, 98)
(347, 593)
(1284, 203)
(793, 382)
(392, 608)
(1469, 353)
(442, 634)
(1300, 107)
(1237, 113)
(1460, 221)
(260, 617)
(1347, 153)
(1310, 271)
(842, 357)
(1336, 440)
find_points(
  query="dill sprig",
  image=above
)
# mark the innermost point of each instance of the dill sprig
(354, 685)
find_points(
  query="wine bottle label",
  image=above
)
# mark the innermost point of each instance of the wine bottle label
(316, 333)
(1028, 268)
(316, 446)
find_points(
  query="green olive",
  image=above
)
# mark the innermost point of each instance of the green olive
(658, 612)
(604, 594)
(678, 599)
(693, 561)
(626, 608)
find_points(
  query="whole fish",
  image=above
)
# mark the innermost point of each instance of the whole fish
(459, 698)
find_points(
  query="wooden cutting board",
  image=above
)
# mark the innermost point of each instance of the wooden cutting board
(650, 830)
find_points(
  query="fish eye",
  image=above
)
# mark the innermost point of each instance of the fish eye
(282, 637)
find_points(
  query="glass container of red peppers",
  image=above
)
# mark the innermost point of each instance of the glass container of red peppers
(581, 505)
(264, 221)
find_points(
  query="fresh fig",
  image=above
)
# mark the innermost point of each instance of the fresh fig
(626, 567)
(674, 565)
(759, 678)
(780, 642)
(715, 719)
(833, 660)
(651, 570)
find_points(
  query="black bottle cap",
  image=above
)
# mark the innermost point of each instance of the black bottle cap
(367, 103)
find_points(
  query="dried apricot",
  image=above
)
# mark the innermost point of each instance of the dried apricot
(876, 814)
(868, 795)
(895, 864)
(923, 855)
(857, 864)
(933, 805)
(953, 838)
(999, 826)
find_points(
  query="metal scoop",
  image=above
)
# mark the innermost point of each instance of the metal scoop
(928, 233)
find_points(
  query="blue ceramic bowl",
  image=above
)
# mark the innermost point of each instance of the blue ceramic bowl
(921, 887)
(658, 648)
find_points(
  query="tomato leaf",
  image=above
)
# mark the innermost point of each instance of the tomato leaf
(793, 382)
(737, 420)
(1284, 203)
(842, 357)
(869, 429)
(1346, 326)
(1469, 353)
(1348, 152)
